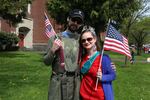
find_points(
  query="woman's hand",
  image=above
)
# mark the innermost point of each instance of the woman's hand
(99, 74)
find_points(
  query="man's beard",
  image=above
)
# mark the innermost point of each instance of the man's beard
(73, 28)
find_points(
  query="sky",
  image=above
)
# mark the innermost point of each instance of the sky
(148, 12)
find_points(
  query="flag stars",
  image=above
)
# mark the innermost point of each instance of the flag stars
(113, 33)
(116, 42)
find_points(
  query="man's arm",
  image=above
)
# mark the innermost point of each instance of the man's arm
(53, 46)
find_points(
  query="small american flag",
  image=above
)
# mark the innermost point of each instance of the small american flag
(116, 42)
(49, 31)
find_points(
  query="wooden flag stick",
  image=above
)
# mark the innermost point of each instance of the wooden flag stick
(100, 63)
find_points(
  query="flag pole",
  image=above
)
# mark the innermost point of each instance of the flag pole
(99, 68)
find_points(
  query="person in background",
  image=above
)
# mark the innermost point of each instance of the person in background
(64, 83)
(132, 60)
(89, 64)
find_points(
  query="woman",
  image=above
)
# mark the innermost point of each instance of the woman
(89, 64)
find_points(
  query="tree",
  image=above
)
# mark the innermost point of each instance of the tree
(97, 12)
(141, 8)
(8, 40)
(140, 32)
(13, 10)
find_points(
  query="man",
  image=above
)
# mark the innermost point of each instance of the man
(63, 83)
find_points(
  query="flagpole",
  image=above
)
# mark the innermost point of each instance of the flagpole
(99, 68)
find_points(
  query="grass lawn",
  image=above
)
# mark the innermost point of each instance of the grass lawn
(23, 76)
(133, 81)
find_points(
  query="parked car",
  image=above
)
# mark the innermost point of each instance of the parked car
(146, 48)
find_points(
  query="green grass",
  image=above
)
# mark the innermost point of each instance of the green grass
(23, 76)
(133, 81)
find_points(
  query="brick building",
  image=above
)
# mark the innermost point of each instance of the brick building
(31, 31)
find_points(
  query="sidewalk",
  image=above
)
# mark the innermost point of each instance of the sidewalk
(123, 60)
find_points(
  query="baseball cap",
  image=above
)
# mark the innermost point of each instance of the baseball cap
(76, 13)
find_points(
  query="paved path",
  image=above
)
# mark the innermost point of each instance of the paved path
(122, 60)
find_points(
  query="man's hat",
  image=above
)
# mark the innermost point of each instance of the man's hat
(77, 13)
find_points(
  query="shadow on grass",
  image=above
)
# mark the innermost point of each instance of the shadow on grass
(12, 54)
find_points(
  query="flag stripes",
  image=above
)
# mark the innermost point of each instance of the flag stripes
(116, 42)
(49, 31)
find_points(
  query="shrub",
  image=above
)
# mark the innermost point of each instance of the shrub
(8, 40)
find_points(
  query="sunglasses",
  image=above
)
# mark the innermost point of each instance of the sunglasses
(76, 20)
(88, 39)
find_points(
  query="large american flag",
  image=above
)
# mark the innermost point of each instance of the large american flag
(116, 42)
(49, 31)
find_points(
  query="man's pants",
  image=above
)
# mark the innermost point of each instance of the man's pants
(64, 87)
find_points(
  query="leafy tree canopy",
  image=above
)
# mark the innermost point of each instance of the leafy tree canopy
(13, 10)
(140, 33)
(141, 29)
(97, 12)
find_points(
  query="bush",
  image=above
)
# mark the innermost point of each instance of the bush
(8, 41)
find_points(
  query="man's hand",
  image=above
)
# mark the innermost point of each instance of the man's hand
(56, 45)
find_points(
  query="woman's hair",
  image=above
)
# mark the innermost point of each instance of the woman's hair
(90, 29)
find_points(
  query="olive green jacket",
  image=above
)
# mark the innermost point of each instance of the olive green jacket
(70, 46)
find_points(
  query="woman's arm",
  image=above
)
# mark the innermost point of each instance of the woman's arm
(108, 74)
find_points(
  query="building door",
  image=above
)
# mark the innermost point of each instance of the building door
(21, 41)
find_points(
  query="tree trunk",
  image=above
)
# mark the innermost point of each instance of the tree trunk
(125, 61)
(3, 46)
